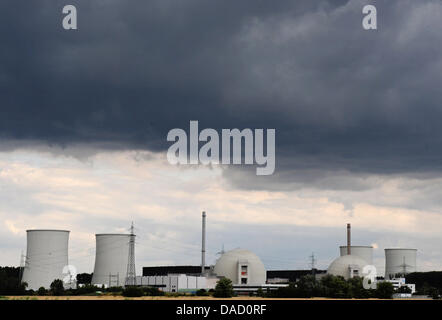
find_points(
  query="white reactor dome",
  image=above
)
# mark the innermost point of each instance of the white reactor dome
(46, 257)
(111, 258)
(347, 266)
(242, 267)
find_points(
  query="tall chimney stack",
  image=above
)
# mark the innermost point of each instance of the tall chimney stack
(348, 238)
(203, 244)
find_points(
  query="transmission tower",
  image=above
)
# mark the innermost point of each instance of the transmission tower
(131, 276)
(404, 267)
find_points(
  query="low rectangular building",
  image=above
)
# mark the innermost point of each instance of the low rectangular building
(173, 282)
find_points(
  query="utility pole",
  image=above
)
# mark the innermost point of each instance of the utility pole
(131, 276)
(312, 263)
(22, 266)
(222, 250)
(203, 244)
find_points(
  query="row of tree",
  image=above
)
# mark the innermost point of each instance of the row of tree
(10, 281)
(332, 287)
(307, 286)
(427, 283)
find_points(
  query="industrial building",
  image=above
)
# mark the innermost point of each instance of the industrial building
(242, 267)
(400, 282)
(175, 282)
(286, 276)
(165, 270)
(353, 259)
(46, 257)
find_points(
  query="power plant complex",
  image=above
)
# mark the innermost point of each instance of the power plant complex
(356, 261)
(47, 260)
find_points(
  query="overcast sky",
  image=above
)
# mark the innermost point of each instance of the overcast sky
(84, 117)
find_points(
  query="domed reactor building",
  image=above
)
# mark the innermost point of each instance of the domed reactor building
(347, 266)
(241, 266)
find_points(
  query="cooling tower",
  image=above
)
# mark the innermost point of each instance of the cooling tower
(364, 252)
(399, 261)
(111, 258)
(46, 256)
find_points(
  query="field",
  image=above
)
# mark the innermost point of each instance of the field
(110, 297)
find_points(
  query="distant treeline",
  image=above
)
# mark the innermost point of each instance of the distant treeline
(10, 281)
(331, 287)
(426, 282)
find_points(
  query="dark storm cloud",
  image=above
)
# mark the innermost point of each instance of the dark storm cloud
(340, 98)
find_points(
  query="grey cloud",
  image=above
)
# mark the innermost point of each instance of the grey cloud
(340, 98)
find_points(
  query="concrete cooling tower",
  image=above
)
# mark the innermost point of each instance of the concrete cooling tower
(46, 257)
(111, 258)
(364, 252)
(399, 261)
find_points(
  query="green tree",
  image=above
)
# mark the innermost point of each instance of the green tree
(57, 288)
(132, 291)
(308, 287)
(87, 289)
(335, 287)
(10, 281)
(201, 293)
(403, 289)
(384, 290)
(291, 291)
(223, 288)
(42, 291)
(305, 287)
(152, 291)
(433, 293)
(356, 289)
(260, 293)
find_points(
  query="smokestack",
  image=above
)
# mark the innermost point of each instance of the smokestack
(203, 244)
(348, 238)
